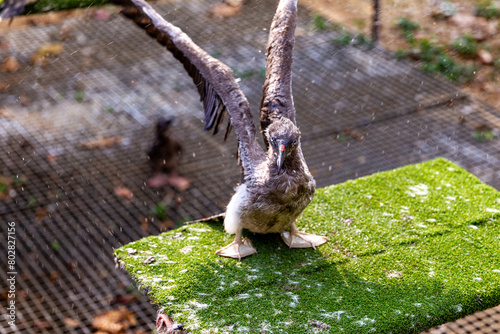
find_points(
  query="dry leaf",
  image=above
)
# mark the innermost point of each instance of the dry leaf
(72, 322)
(223, 10)
(42, 55)
(10, 64)
(24, 99)
(40, 214)
(102, 142)
(51, 157)
(42, 324)
(149, 260)
(124, 192)
(6, 113)
(54, 276)
(115, 321)
(3, 86)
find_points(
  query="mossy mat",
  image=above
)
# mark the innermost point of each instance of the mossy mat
(409, 249)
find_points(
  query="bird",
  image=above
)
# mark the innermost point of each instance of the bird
(11, 8)
(276, 185)
(164, 157)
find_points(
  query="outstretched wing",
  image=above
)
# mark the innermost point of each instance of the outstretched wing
(11, 8)
(277, 100)
(218, 89)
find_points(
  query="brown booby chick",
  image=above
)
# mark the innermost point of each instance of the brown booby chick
(277, 186)
(164, 157)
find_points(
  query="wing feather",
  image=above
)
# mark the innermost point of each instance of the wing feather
(277, 99)
(215, 82)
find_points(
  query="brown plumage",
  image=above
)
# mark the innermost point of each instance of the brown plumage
(277, 185)
(165, 153)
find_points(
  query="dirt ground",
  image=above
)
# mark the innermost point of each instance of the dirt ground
(436, 24)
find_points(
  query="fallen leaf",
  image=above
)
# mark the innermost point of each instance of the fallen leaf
(72, 265)
(24, 99)
(6, 113)
(54, 275)
(51, 158)
(149, 260)
(72, 323)
(42, 55)
(42, 324)
(223, 10)
(10, 64)
(3, 86)
(102, 142)
(124, 192)
(114, 321)
(40, 214)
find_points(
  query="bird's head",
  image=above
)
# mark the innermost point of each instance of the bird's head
(283, 138)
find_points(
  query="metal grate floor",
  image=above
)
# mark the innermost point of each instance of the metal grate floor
(360, 111)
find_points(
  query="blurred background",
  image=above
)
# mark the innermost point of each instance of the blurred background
(82, 90)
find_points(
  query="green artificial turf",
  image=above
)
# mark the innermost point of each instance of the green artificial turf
(409, 249)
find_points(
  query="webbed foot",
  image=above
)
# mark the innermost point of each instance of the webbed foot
(237, 249)
(297, 239)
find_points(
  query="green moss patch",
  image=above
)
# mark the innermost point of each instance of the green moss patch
(409, 249)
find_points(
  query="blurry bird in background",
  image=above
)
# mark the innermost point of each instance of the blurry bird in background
(11, 8)
(164, 157)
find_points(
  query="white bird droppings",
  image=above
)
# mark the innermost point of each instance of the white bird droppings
(418, 190)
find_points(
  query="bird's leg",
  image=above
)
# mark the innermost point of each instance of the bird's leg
(237, 249)
(297, 239)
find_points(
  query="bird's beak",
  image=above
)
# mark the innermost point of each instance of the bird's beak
(282, 150)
